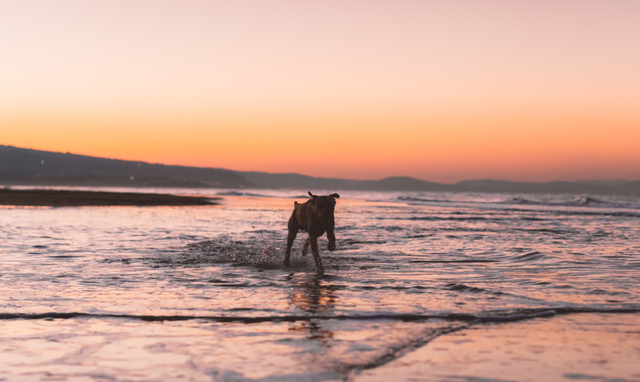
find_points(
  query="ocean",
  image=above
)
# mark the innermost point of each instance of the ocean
(421, 287)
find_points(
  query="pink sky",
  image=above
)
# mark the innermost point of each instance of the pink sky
(442, 91)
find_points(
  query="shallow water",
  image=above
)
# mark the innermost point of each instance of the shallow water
(200, 293)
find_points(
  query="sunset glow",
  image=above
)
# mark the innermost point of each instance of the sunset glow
(441, 91)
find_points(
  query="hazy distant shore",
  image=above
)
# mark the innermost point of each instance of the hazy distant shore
(26, 167)
(59, 198)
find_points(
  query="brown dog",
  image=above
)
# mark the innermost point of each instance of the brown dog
(315, 216)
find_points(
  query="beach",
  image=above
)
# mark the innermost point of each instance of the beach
(421, 287)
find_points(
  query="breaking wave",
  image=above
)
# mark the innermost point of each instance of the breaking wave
(585, 201)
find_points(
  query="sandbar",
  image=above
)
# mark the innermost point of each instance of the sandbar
(66, 198)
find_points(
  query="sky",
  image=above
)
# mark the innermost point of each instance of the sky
(442, 91)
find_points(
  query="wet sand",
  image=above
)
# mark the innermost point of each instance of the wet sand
(594, 347)
(63, 198)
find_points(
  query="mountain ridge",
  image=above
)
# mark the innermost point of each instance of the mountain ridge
(20, 166)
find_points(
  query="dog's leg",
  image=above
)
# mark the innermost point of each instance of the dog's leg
(332, 241)
(305, 247)
(293, 231)
(316, 254)
(329, 225)
(290, 238)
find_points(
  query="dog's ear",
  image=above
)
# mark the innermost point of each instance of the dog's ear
(312, 195)
(295, 204)
(336, 196)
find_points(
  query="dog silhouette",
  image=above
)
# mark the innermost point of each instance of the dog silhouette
(315, 216)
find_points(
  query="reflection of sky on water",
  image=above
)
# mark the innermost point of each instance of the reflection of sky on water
(393, 257)
(310, 294)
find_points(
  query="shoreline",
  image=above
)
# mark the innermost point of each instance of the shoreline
(65, 198)
(597, 347)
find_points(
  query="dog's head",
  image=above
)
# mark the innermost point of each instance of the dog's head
(323, 205)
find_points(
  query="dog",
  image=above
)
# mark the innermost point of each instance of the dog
(315, 216)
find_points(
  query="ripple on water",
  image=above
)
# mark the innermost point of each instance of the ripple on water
(203, 290)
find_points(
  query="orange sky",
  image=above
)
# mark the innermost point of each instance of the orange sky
(442, 91)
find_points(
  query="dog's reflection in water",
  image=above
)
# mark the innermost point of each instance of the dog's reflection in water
(312, 294)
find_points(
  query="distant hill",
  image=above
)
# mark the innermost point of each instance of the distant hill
(284, 181)
(20, 166)
(34, 167)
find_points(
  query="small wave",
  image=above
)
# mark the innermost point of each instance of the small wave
(593, 202)
(357, 244)
(353, 241)
(531, 256)
(626, 214)
(414, 199)
(406, 317)
(516, 317)
(585, 201)
(469, 289)
(603, 213)
(453, 261)
(565, 286)
(418, 236)
(604, 292)
(237, 193)
(548, 230)
(403, 288)
(521, 201)
(438, 218)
